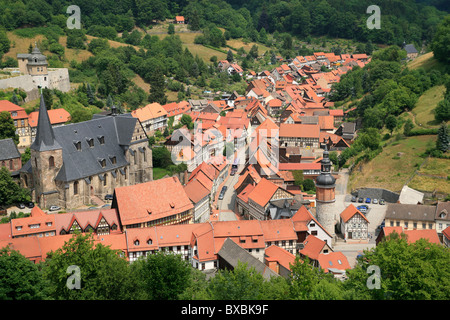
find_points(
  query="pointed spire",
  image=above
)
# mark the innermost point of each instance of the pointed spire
(45, 137)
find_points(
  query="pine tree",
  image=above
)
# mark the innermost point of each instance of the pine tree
(157, 85)
(443, 139)
(230, 56)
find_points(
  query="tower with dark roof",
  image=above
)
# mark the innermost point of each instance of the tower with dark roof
(325, 195)
(46, 160)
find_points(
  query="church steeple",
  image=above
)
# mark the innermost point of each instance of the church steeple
(45, 137)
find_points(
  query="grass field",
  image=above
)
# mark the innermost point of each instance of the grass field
(425, 106)
(425, 61)
(388, 170)
(430, 184)
(159, 173)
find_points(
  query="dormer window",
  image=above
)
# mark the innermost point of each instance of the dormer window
(90, 142)
(101, 139)
(149, 241)
(102, 162)
(77, 145)
(136, 242)
(113, 159)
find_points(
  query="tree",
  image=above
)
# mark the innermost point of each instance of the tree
(391, 123)
(254, 51)
(440, 41)
(20, 279)
(10, 191)
(157, 86)
(245, 283)
(104, 273)
(7, 128)
(186, 120)
(408, 127)
(4, 43)
(416, 271)
(162, 276)
(230, 57)
(442, 110)
(308, 185)
(161, 157)
(307, 281)
(171, 29)
(443, 138)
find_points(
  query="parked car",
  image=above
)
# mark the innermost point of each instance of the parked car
(368, 200)
(21, 206)
(54, 208)
(30, 205)
(360, 200)
(353, 199)
(222, 192)
(382, 202)
(362, 209)
(375, 201)
(109, 197)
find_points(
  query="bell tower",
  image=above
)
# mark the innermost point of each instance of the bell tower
(325, 195)
(46, 160)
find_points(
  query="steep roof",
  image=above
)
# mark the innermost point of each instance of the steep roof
(349, 212)
(151, 200)
(45, 137)
(8, 149)
(150, 111)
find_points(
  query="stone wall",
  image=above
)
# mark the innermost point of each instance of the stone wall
(377, 193)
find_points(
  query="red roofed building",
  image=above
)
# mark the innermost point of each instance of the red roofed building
(354, 225)
(299, 135)
(176, 110)
(57, 118)
(20, 119)
(179, 20)
(313, 248)
(279, 260)
(253, 201)
(159, 202)
(335, 263)
(412, 235)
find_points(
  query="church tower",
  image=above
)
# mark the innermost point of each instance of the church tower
(46, 160)
(37, 67)
(325, 197)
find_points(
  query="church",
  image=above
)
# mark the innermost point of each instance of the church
(75, 164)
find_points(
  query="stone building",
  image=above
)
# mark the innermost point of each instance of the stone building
(76, 164)
(33, 72)
(325, 196)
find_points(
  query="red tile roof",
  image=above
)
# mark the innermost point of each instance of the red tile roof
(313, 247)
(333, 260)
(350, 211)
(299, 130)
(56, 116)
(281, 256)
(151, 200)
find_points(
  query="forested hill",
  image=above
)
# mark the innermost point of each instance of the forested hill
(401, 20)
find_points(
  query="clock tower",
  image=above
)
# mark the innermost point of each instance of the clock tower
(325, 197)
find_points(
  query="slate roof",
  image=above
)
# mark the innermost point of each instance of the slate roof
(232, 253)
(8, 149)
(115, 131)
(409, 48)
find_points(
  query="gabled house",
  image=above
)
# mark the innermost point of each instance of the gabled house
(354, 225)
(313, 247)
(152, 117)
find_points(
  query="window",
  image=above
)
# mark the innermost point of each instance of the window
(392, 223)
(430, 226)
(102, 162)
(11, 165)
(406, 225)
(104, 180)
(51, 162)
(424, 225)
(136, 242)
(415, 225)
(101, 139)
(77, 145)
(90, 142)
(75, 188)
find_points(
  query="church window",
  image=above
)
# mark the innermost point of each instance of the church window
(75, 187)
(51, 162)
(104, 180)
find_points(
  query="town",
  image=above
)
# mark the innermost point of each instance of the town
(256, 178)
